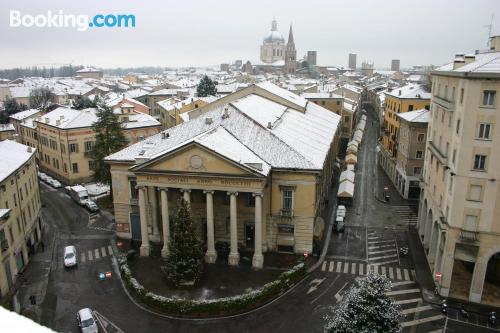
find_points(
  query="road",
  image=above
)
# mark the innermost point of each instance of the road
(375, 231)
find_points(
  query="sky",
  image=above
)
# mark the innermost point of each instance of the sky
(210, 32)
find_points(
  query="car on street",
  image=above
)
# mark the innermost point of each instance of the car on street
(69, 256)
(86, 321)
(54, 183)
(91, 206)
(339, 224)
(341, 210)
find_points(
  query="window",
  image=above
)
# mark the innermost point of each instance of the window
(286, 228)
(287, 201)
(421, 137)
(63, 148)
(347, 119)
(480, 162)
(419, 154)
(338, 102)
(489, 97)
(250, 200)
(417, 170)
(470, 223)
(91, 165)
(454, 156)
(74, 167)
(484, 131)
(65, 167)
(410, 108)
(134, 192)
(457, 129)
(88, 145)
(462, 96)
(73, 147)
(475, 192)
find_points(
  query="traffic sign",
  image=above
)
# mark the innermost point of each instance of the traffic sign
(438, 275)
(108, 275)
(119, 244)
(102, 276)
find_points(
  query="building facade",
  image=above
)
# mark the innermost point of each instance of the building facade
(395, 65)
(256, 179)
(460, 203)
(352, 61)
(20, 224)
(273, 46)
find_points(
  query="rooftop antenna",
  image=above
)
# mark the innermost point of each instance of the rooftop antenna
(490, 28)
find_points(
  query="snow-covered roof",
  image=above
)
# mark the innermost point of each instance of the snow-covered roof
(7, 127)
(281, 136)
(21, 115)
(88, 70)
(411, 90)
(483, 63)
(321, 95)
(66, 118)
(417, 116)
(14, 155)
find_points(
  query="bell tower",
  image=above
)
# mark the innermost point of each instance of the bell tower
(290, 54)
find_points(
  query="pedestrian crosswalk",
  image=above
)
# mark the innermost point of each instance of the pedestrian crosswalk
(417, 315)
(95, 254)
(381, 251)
(407, 214)
(360, 268)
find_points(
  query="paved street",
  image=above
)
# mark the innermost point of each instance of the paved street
(374, 234)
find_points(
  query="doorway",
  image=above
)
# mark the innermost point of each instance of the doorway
(250, 235)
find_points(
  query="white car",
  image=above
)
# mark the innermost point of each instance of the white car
(54, 183)
(86, 321)
(43, 176)
(341, 210)
(91, 206)
(69, 256)
(48, 179)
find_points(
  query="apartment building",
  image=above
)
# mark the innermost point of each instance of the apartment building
(20, 224)
(400, 100)
(460, 203)
(411, 152)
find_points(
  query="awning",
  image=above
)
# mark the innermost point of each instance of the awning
(352, 143)
(346, 190)
(352, 149)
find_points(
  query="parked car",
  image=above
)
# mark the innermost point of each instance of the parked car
(48, 179)
(341, 210)
(69, 256)
(91, 206)
(55, 183)
(86, 321)
(42, 176)
(339, 224)
(67, 189)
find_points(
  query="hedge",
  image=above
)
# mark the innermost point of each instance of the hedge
(211, 307)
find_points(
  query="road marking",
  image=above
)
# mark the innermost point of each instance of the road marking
(398, 273)
(383, 257)
(384, 262)
(361, 269)
(324, 291)
(383, 251)
(408, 301)
(379, 246)
(402, 292)
(402, 283)
(421, 321)
(105, 323)
(90, 255)
(314, 285)
(339, 266)
(96, 253)
(391, 273)
(353, 268)
(384, 241)
(338, 296)
(332, 266)
(417, 309)
(323, 267)
(346, 267)
(406, 274)
(103, 252)
(110, 250)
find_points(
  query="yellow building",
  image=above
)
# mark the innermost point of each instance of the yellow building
(65, 138)
(7, 132)
(408, 98)
(20, 225)
(172, 109)
(255, 165)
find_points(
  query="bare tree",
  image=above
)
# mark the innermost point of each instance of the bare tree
(42, 98)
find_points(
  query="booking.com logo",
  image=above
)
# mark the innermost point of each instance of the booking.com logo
(80, 22)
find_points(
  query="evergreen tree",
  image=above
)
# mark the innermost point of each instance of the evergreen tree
(206, 87)
(11, 106)
(366, 308)
(83, 102)
(109, 138)
(185, 261)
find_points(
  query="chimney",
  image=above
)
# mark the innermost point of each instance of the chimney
(399, 92)
(165, 135)
(459, 60)
(469, 58)
(29, 149)
(208, 120)
(331, 93)
(226, 113)
(47, 120)
(58, 122)
(269, 125)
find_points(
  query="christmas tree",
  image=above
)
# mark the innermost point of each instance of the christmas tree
(206, 87)
(184, 263)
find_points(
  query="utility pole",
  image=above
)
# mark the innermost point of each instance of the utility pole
(490, 28)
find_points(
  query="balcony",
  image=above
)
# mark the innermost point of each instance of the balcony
(437, 152)
(468, 235)
(445, 104)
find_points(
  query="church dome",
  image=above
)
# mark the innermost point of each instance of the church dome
(274, 36)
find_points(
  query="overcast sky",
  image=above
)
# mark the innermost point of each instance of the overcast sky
(210, 32)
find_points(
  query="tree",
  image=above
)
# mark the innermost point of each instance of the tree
(206, 87)
(185, 261)
(10, 107)
(42, 98)
(109, 138)
(83, 102)
(366, 308)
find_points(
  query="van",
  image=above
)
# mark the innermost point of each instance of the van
(339, 224)
(341, 210)
(69, 256)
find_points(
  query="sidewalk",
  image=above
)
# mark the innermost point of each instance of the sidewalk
(395, 198)
(37, 276)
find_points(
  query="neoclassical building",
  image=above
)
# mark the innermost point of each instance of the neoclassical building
(255, 167)
(275, 54)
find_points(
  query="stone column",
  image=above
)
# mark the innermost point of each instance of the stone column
(234, 256)
(165, 221)
(477, 283)
(211, 255)
(187, 195)
(144, 249)
(154, 212)
(258, 258)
